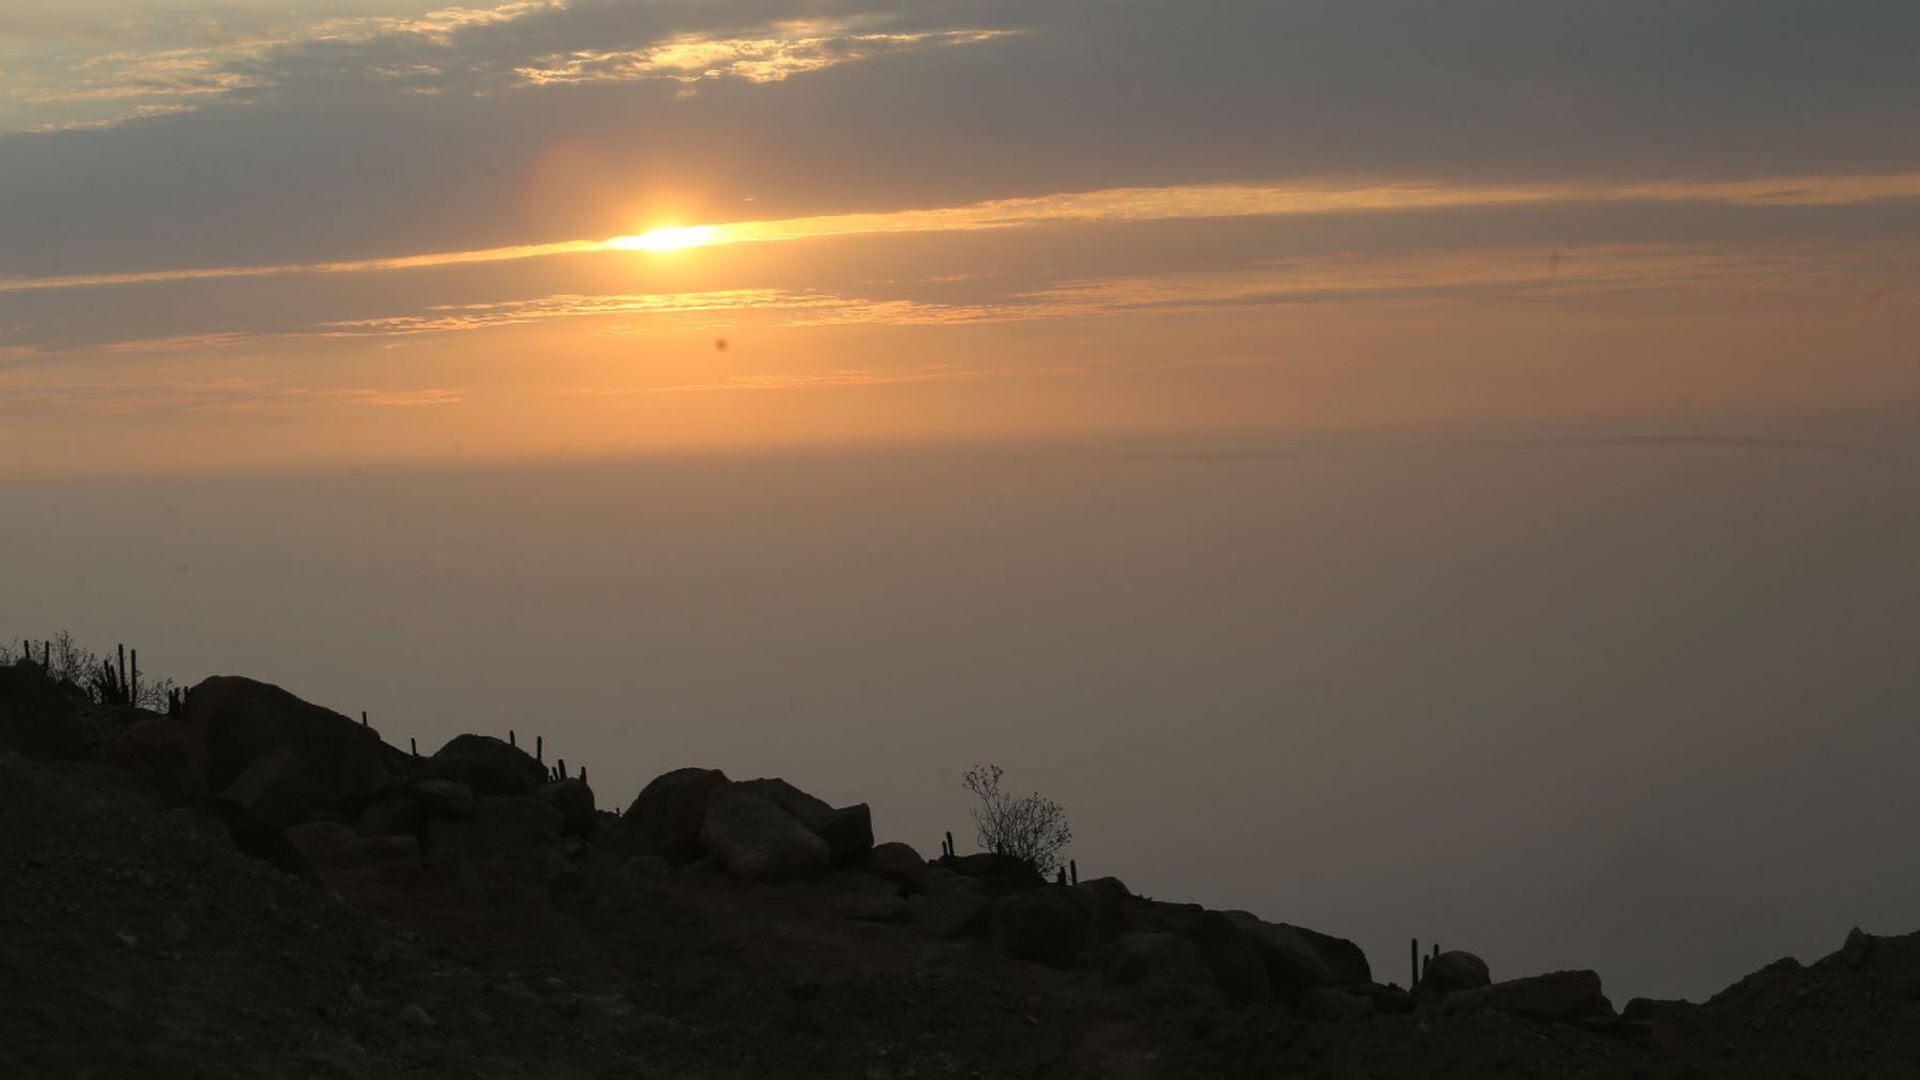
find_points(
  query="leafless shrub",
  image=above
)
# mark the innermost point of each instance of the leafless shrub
(1028, 827)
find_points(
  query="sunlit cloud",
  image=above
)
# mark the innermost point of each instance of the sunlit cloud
(852, 377)
(438, 52)
(1121, 205)
(775, 53)
(123, 397)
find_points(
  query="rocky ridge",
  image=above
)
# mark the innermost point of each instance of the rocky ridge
(261, 886)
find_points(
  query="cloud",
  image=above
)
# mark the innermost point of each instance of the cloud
(778, 52)
(39, 397)
(852, 377)
(1122, 205)
(302, 146)
(473, 50)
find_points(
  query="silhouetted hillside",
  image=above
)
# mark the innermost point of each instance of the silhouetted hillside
(258, 886)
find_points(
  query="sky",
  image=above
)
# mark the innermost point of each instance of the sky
(1291, 373)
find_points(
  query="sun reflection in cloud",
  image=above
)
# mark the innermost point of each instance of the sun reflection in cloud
(667, 238)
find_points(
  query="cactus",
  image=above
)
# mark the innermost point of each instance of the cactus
(413, 747)
(1413, 955)
(511, 741)
(583, 774)
(133, 678)
(1073, 871)
(540, 748)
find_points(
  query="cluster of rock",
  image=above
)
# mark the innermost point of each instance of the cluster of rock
(311, 791)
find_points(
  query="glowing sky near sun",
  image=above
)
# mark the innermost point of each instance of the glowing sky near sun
(397, 230)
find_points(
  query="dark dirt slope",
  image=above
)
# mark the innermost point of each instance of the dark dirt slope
(137, 942)
(471, 915)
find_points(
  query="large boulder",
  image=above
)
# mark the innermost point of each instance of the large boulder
(395, 814)
(488, 765)
(1560, 996)
(667, 817)
(848, 832)
(1042, 925)
(264, 842)
(275, 789)
(1132, 958)
(237, 719)
(949, 915)
(511, 828)
(1292, 964)
(1329, 1005)
(900, 864)
(574, 799)
(443, 799)
(1451, 972)
(41, 718)
(162, 752)
(757, 840)
(1107, 906)
(1346, 960)
(1231, 956)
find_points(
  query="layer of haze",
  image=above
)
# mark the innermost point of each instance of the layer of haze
(1409, 468)
(1641, 705)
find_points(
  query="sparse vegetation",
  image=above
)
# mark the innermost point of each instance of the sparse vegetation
(100, 678)
(1029, 827)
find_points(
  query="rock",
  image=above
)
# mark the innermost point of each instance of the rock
(488, 765)
(1560, 996)
(373, 850)
(41, 718)
(900, 864)
(1232, 957)
(1042, 925)
(667, 816)
(235, 720)
(848, 832)
(757, 840)
(949, 915)
(1329, 1005)
(1346, 960)
(1857, 948)
(263, 842)
(399, 814)
(865, 905)
(162, 752)
(1451, 972)
(323, 843)
(274, 789)
(1106, 905)
(1386, 999)
(1292, 964)
(650, 866)
(1133, 958)
(444, 799)
(511, 823)
(417, 1017)
(1642, 1009)
(574, 799)
(944, 882)
(997, 875)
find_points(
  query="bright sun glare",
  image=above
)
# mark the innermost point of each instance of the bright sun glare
(667, 238)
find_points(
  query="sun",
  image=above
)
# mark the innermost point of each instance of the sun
(667, 238)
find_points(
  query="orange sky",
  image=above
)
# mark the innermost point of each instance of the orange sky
(651, 271)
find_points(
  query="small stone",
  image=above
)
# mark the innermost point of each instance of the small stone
(415, 1016)
(127, 939)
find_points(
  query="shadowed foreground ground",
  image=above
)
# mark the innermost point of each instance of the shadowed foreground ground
(385, 920)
